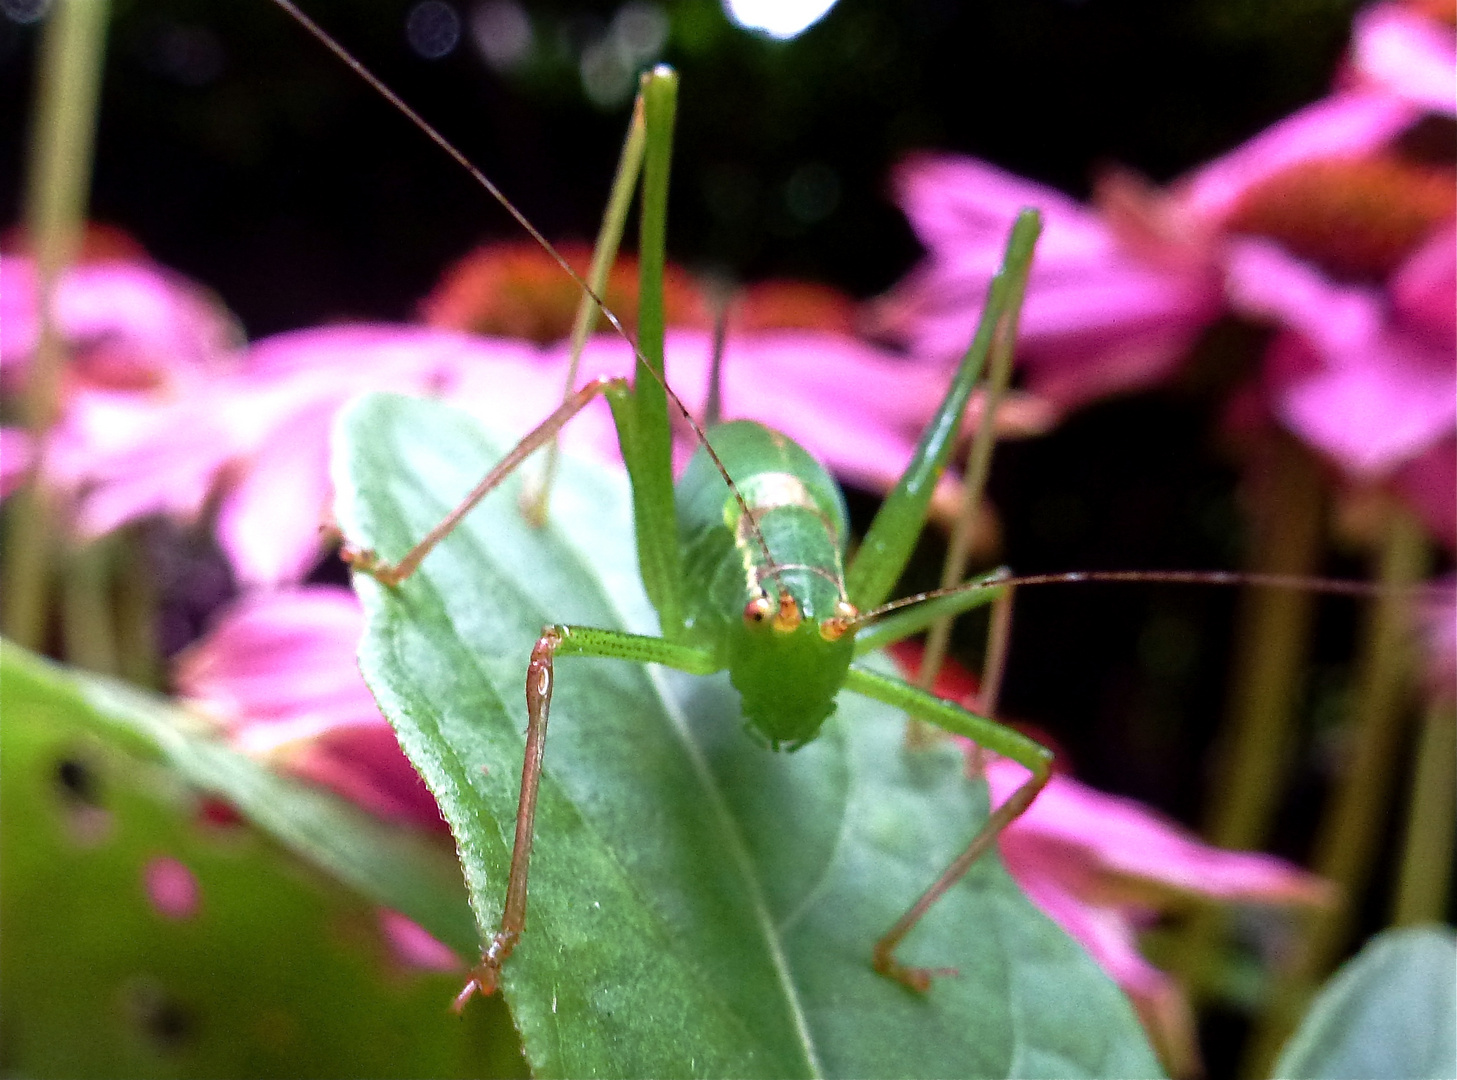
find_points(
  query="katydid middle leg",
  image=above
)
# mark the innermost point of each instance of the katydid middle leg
(989, 735)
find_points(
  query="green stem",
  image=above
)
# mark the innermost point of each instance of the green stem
(87, 625)
(1286, 505)
(1426, 863)
(139, 660)
(1356, 818)
(63, 134)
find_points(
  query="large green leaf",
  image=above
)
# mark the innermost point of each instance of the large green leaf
(276, 970)
(699, 905)
(1390, 1012)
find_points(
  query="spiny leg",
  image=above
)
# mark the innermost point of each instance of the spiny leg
(540, 678)
(987, 734)
(394, 573)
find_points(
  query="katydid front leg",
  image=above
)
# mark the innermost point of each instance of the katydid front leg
(393, 573)
(540, 679)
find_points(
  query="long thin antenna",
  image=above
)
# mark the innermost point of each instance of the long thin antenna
(374, 81)
(1329, 586)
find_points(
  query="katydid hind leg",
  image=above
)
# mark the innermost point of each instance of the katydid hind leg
(888, 542)
(989, 735)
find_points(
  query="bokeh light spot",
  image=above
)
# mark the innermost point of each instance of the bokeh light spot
(433, 29)
(501, 30)
(782, 19)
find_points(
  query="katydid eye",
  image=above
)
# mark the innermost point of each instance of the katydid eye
(836, 626)
(758, 610)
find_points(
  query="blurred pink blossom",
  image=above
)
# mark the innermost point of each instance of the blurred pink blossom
(15, 458)
(1099, 316)
(413, 946)
(130, 325)
(277, 673)
(1104, 867)
(1405, 51)
(256, 439)
(1310, 226)
(1119, 291)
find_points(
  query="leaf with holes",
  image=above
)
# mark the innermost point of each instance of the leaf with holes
(143, 938)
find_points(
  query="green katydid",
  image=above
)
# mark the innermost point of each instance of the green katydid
(745, 559)
(744, 563)
(748, 573)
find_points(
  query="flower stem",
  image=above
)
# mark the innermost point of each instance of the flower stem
(1355, 818)
(87, 624)
(1287, 515)
(63, 134)
(1426, 862)
(139, 660)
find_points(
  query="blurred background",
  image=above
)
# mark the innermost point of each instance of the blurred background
(235, 149)
(238, 151)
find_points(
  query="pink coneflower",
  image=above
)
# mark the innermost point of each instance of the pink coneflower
(1316, 225)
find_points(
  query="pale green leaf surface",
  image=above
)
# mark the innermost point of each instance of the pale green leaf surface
(1389, 1012)
(699, 905)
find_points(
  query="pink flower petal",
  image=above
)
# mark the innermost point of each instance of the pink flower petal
(269, 523)
(1366, 392)
(278, 673)
(1098, 316)
(1428, 484)
(1401, 51)
(277, 657)
(15, 458)
(365, 765)
(1349, 124)
(413, 946)
(131, 323)
(1099, 838)
(124, 457)
(1373, 415)
(1424, 288)
(172, 888)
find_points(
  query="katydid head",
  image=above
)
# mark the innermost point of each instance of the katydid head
(788, 660)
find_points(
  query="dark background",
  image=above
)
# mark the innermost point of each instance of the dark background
(236, 149)
(240, 152)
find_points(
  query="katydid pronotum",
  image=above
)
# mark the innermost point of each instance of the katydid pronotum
(744, 562)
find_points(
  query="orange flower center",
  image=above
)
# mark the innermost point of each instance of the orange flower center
(1356, 218)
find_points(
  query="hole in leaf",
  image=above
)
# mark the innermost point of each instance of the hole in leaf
(78, 788)
(164, 1022)
(78, 782)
